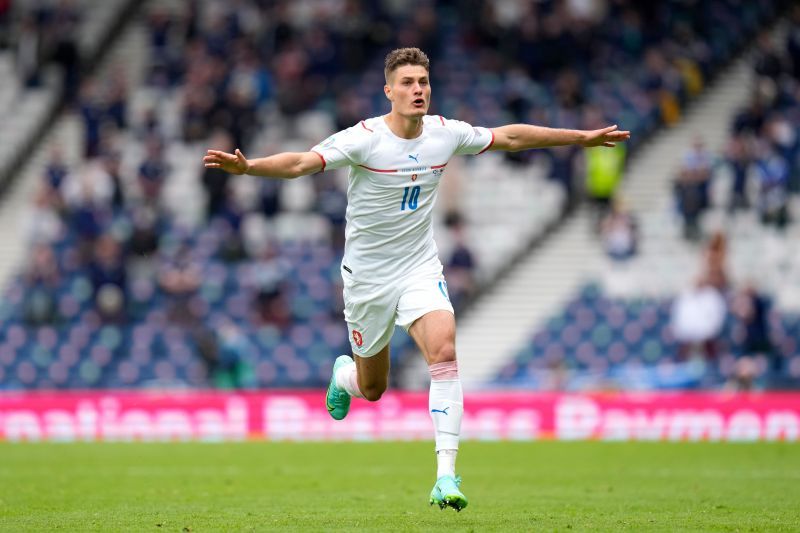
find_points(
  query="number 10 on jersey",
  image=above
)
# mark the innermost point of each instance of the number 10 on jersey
(411, 198)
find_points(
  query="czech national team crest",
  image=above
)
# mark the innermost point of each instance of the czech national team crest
(357, 338)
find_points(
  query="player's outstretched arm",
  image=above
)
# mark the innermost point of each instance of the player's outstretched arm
(285, 165)
(516, 137)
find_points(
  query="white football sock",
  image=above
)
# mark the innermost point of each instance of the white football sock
(446, 406)
(346, 379)
(446, 463)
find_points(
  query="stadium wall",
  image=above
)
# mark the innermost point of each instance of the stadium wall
(300, 416)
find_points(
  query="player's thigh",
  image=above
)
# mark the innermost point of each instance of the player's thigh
(369, 311)
(425, 311)
(435, 335)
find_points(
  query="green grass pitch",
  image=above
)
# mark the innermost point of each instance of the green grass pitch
(257, 486)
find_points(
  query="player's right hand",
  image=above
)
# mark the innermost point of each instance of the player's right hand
(235, 163)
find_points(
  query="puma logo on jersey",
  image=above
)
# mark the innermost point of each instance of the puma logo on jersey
(414, 157)
(443, 411)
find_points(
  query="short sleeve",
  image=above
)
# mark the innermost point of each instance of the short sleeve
(470, 140)
(345, 148)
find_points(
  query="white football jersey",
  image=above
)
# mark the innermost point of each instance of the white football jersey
(392, 188)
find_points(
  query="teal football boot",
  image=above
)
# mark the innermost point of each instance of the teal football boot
(446, 493)
(338, 400)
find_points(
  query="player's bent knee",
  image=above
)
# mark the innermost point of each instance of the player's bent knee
(446, 353)
(373, 391)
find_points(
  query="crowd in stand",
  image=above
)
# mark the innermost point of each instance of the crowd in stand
(762, 157)
(744, 340)
(554, 63)
(42, 33)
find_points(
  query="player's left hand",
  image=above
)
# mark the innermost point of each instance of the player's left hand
(608, 136)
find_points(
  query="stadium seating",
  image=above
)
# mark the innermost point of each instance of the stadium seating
(79, 350)
(33, 87)
(598, 342)
(223, 344)
(617, 334)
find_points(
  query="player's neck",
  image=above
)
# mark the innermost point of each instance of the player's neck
(404, 127)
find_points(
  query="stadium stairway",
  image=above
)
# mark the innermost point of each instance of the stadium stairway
(26, 112)
(648, 187)
(491, 332)
(666, 263)
(492, 329)
(755, 251)
(23, 111)
(16, 210)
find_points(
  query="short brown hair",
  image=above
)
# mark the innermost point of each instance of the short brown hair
(405, 56)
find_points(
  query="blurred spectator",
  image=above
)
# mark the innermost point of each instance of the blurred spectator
(29, 51)
(93, 116)
(147, 224)
(41, 284)
(715, 259)
(751, 119)
(663, 83)
(604, 167)
(782, 134)
(753, 308)
(45, 226)
(773, 182)
(88, 185)
(350, 109)
(149, 125)
(745, 373)
(237, 114)
(87, 194)
(66, 53)
(698, 314)
(739, 158)
(165, 41)
(117, 100)
(619, 232)
(562, 169)
(331, 202)
(768, 62)
(179, 278)
(229, 367)
(215, 181)
(153, 170)
(692, 187)
(231, 242)
(270, 275)
(197, 106)
(697, 317)
(459, 269)
(111, 165)
(109, 279)
(56, 168)
(270, 197)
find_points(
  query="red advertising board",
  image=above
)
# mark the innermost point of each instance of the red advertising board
(289, 415)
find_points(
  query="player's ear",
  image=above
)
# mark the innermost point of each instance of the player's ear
(388, 92)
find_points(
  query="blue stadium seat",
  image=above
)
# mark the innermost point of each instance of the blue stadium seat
(629, 344)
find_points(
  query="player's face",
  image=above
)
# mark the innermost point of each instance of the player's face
(409, 90)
